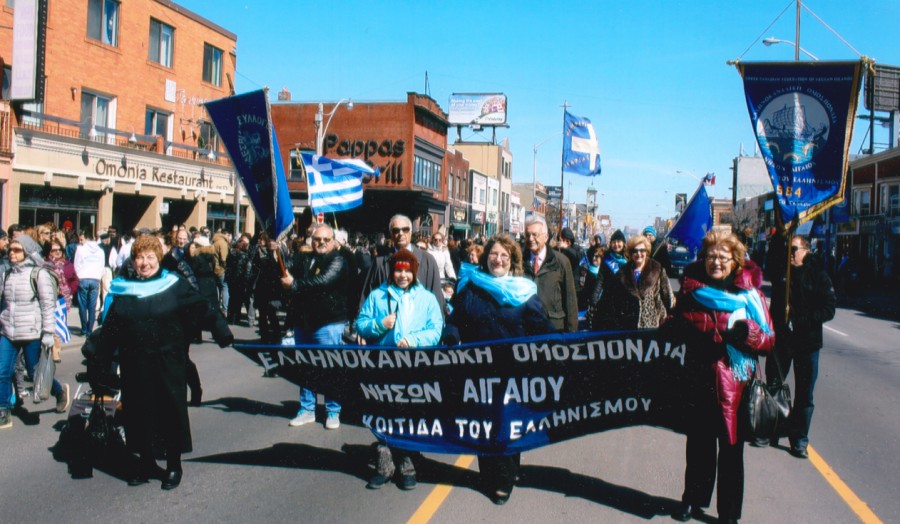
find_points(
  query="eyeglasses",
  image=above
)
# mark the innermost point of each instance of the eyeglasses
(45, 232)
(794, 249)
(398, 230)
(436, 239)
(322, 240)
(718, 258)
(500, 256)
(16, 250)
(638, 251)
(56, 250)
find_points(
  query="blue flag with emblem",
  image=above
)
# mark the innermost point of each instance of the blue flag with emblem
(802, 114)
(695, 220)
(244, 124)
(335, 185)
(581, 152)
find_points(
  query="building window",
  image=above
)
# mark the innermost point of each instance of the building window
(862, 204)
(95, 116)
(481, 196)
(7, 79)
(212, 65)
(890, 200)
(208, 138)
(103, 21)
(427, 173)
(162, 38)
(297, 174)
(157, 123)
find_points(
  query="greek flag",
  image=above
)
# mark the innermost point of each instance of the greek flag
(581, 152)
(62, 321)
(334, 185)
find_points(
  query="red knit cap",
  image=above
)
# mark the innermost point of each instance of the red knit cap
(405, 259)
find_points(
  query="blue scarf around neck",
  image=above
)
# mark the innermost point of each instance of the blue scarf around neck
(745, 304)
(138, 288)
(507, 291)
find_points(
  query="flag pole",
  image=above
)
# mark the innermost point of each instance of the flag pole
(562, 172)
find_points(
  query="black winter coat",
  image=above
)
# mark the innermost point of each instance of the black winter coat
(812, 302)
(477, 317)
(151, 335)
(319, 292)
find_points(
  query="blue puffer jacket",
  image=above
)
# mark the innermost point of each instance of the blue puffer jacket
(419, 317)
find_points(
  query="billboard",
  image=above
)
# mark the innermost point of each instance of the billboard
(752, 178)
(488, 109)
(883, 89)
(26, 46)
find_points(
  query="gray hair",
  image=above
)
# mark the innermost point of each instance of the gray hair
(320, 226)
(535, 219)
(399, 217)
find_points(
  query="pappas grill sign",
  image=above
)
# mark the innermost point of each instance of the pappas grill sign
(365, 149)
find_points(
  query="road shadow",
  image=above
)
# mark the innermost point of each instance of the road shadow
(622, 498)
(30, 418)
(286, 409)
(351, 460)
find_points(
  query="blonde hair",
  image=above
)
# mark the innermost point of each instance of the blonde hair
(725, 239)
(636, 240)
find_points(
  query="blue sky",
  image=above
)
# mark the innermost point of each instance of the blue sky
(650, 75)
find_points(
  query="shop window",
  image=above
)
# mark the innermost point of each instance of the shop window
(103, 21)
(890, 200)
(298, 173)
(427, 173)
(212, 65)
(157, 123)
(162, 42)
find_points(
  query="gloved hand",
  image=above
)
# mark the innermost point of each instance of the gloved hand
(738, 333)
(47, 340)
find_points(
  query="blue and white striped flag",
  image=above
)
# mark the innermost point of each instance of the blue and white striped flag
(334, 185)
(62, 321)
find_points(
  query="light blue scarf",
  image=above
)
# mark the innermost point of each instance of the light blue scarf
(742, 305)
(138, 288)
(615, 261)
(594, 269)
(507, 291)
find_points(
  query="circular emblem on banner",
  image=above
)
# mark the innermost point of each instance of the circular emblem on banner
(250, 142)
(792, 128)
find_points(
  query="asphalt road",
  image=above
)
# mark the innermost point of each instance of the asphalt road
(248, 465)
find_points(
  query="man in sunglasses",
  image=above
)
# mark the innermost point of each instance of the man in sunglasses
(318, 311)
(428, 275)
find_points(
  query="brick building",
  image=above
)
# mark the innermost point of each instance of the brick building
(111, 129)
(406, 140)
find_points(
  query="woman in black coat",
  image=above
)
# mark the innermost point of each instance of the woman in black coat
(149, 320)
(494, 302)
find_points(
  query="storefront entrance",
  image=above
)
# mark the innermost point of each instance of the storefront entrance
(128, 211)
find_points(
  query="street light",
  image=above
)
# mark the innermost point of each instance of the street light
(772, 41)
(320, 116)
(534, 167)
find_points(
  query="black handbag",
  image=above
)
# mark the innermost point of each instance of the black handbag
(766, 408)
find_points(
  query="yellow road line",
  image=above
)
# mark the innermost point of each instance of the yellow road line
(434, 499)
(859, 507)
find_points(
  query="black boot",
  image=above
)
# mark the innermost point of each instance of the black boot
(173, 470)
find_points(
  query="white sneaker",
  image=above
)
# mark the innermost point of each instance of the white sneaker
(333, 421)
(303, 417)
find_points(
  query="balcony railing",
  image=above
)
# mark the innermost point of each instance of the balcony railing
(59, 126)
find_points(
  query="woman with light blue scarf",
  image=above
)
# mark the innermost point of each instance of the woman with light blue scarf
(399, 313)
(724, 315)
(493, 301)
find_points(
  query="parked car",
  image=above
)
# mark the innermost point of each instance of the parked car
(680, 256)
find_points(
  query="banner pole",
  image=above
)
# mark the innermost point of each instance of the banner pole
(562, 172)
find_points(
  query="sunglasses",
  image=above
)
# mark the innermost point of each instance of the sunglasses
(16, 250)
(398, 230)
(56, 250)
(794, 249)
(321, 239)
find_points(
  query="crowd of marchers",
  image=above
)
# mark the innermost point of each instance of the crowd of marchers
(411, 290)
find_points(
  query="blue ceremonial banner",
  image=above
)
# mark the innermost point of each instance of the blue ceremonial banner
(802, 114)
(503, 396)
(244, 124)
(695, 220)
(334, 185)
(581, 152)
